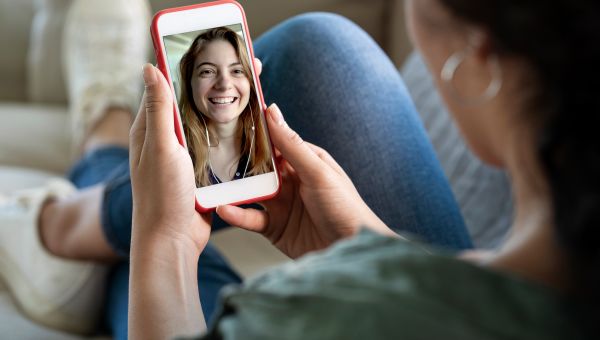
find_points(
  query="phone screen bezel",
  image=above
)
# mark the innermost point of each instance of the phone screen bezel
(196, 18)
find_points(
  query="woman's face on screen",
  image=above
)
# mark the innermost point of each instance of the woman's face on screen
(220, 87)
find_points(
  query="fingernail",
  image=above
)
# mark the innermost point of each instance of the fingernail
(276, 115)
(149, 74)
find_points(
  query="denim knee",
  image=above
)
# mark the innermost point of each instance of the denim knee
(328, 26)
(303, 35)
(306, 48)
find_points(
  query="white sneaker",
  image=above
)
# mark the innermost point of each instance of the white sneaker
(105, 43)
(58, 293)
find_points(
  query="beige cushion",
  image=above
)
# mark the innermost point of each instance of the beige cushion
(45, 83)
(35, 137)
(249, 253)
(15, 23)
(14, 178)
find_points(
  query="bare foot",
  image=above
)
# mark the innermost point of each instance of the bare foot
(70, 227)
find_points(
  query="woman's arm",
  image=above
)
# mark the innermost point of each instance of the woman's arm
(168, 235)
(163, 294)
(317, 205)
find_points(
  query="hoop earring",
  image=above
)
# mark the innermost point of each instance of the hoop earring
(452, 65)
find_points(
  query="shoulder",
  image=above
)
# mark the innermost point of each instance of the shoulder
(377, 287)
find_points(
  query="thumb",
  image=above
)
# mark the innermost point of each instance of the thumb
(294, 150)
(158, 106)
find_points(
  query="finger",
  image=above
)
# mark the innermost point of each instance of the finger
(277, 152)
(286, 169)
(137, 134)
(327, 158)
(158, 105)
(258, 66)
(300, 156)
(249, 219)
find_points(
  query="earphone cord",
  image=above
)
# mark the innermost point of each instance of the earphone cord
(251, 146)
(212, 172)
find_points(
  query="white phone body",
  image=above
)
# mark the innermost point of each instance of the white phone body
(186, 21)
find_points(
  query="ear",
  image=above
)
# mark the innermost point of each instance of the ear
(481, 44)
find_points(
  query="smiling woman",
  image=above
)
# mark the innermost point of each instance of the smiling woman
(220, 109)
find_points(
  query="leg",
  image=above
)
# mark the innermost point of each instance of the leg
(101, 214)
(70, 227)
(339, 90)
(102, 77)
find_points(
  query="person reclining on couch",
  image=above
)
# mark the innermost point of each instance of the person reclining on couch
(396, 288)
(88, 218)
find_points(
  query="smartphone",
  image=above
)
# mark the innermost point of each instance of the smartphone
(205, 52)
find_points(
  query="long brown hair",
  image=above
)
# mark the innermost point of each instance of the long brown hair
(194, 125)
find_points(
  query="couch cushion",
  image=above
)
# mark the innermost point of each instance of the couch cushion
(15, 23)
(14, 178)
(35, 137)
(45, 82)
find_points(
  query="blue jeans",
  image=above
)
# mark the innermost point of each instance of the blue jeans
(338, 90)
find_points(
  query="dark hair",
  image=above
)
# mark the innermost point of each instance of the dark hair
(560, 41)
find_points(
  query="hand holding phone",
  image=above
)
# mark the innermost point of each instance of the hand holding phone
(318, 203)
(161, 172)
(206, 54)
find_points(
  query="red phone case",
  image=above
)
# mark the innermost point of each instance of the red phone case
(162, 66)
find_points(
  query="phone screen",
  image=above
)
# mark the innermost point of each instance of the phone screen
(219, 105)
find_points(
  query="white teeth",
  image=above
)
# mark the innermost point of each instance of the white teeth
(222, 100)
